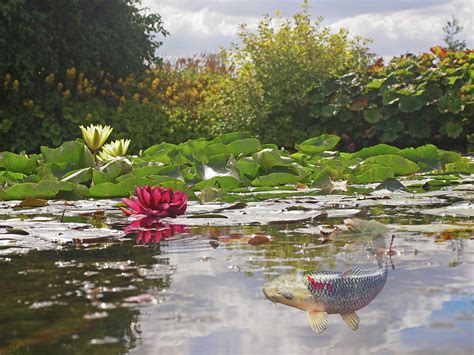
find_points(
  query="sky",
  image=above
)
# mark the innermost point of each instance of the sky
(396, 26)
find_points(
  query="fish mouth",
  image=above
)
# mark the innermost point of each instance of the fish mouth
(269, 297)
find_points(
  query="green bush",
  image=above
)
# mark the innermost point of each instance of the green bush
(278, 66)
(165, 103)
(413, 100)
(40, 37)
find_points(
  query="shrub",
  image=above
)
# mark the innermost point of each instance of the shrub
(413, 100)
(165, 103)
(43, 37)
(278, 66)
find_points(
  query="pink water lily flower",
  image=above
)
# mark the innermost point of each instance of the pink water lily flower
(159, 202)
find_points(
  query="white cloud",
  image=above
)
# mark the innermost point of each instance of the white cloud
(396, 26)
(413, 30)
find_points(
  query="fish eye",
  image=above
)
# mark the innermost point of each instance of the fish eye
(288, 297)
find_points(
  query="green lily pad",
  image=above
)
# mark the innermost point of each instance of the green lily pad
(221, 182)
(398, 164)
(17, 163)
(247, 168)
(426, 156)
(318, 144)
(121, 189)
(230, 137)
(245, 146)
(112, 170)
(81, 176)
(268, 158)
(74, 154)
(43, 189)
(378, 149)
(275, 179)
(368, 173)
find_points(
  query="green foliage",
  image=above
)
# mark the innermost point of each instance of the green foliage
(294, 79)
(228, 163)
(40, 37)
(411, 101)
(277, 67)
(288, 81)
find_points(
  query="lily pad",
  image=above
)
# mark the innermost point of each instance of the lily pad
(318, 144)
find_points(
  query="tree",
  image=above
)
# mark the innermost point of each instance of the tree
(280, 64)
(43, 37)
(451, 29)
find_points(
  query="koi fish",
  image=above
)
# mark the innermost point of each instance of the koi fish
(326, 292)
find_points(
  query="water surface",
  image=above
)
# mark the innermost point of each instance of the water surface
(81, 285)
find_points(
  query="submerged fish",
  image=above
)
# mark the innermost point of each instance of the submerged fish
(324, 292)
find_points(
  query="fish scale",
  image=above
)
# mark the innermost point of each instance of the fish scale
(347, 291)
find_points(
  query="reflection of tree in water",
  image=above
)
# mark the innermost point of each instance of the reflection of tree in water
(46, 294)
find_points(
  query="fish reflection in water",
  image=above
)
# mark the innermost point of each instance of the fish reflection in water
(321, 293)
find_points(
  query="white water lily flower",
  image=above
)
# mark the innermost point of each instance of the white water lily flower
(95, 135)
(117, 148)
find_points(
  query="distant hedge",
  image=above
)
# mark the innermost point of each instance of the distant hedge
(413, 100)
(410, 101)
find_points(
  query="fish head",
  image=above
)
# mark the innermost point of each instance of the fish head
(289, 290)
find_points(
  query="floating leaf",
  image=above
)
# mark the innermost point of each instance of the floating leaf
(74, 154)
(318, 144)
(463, 166)
(112, 170)
(248, 168)
(378, 149)
(32, 202)
(158, 148)
(391, 185)
(17, 163)
(230, 137)
(368, 173)
(246, 146)
(209, 194)
(274, 179)
(81, 176)
(268, 159)
(121, 189)
(427, 155)
(221, 182)
(398, 164)
(218, 165)
(43, 189)
(323, 180)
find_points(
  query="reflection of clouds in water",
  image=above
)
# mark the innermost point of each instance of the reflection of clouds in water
(211, 308)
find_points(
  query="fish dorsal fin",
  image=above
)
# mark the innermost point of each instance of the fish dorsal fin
(318, 321)
(352, 271)
(351, 319)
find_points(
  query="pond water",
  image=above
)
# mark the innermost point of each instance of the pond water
(72, 281)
